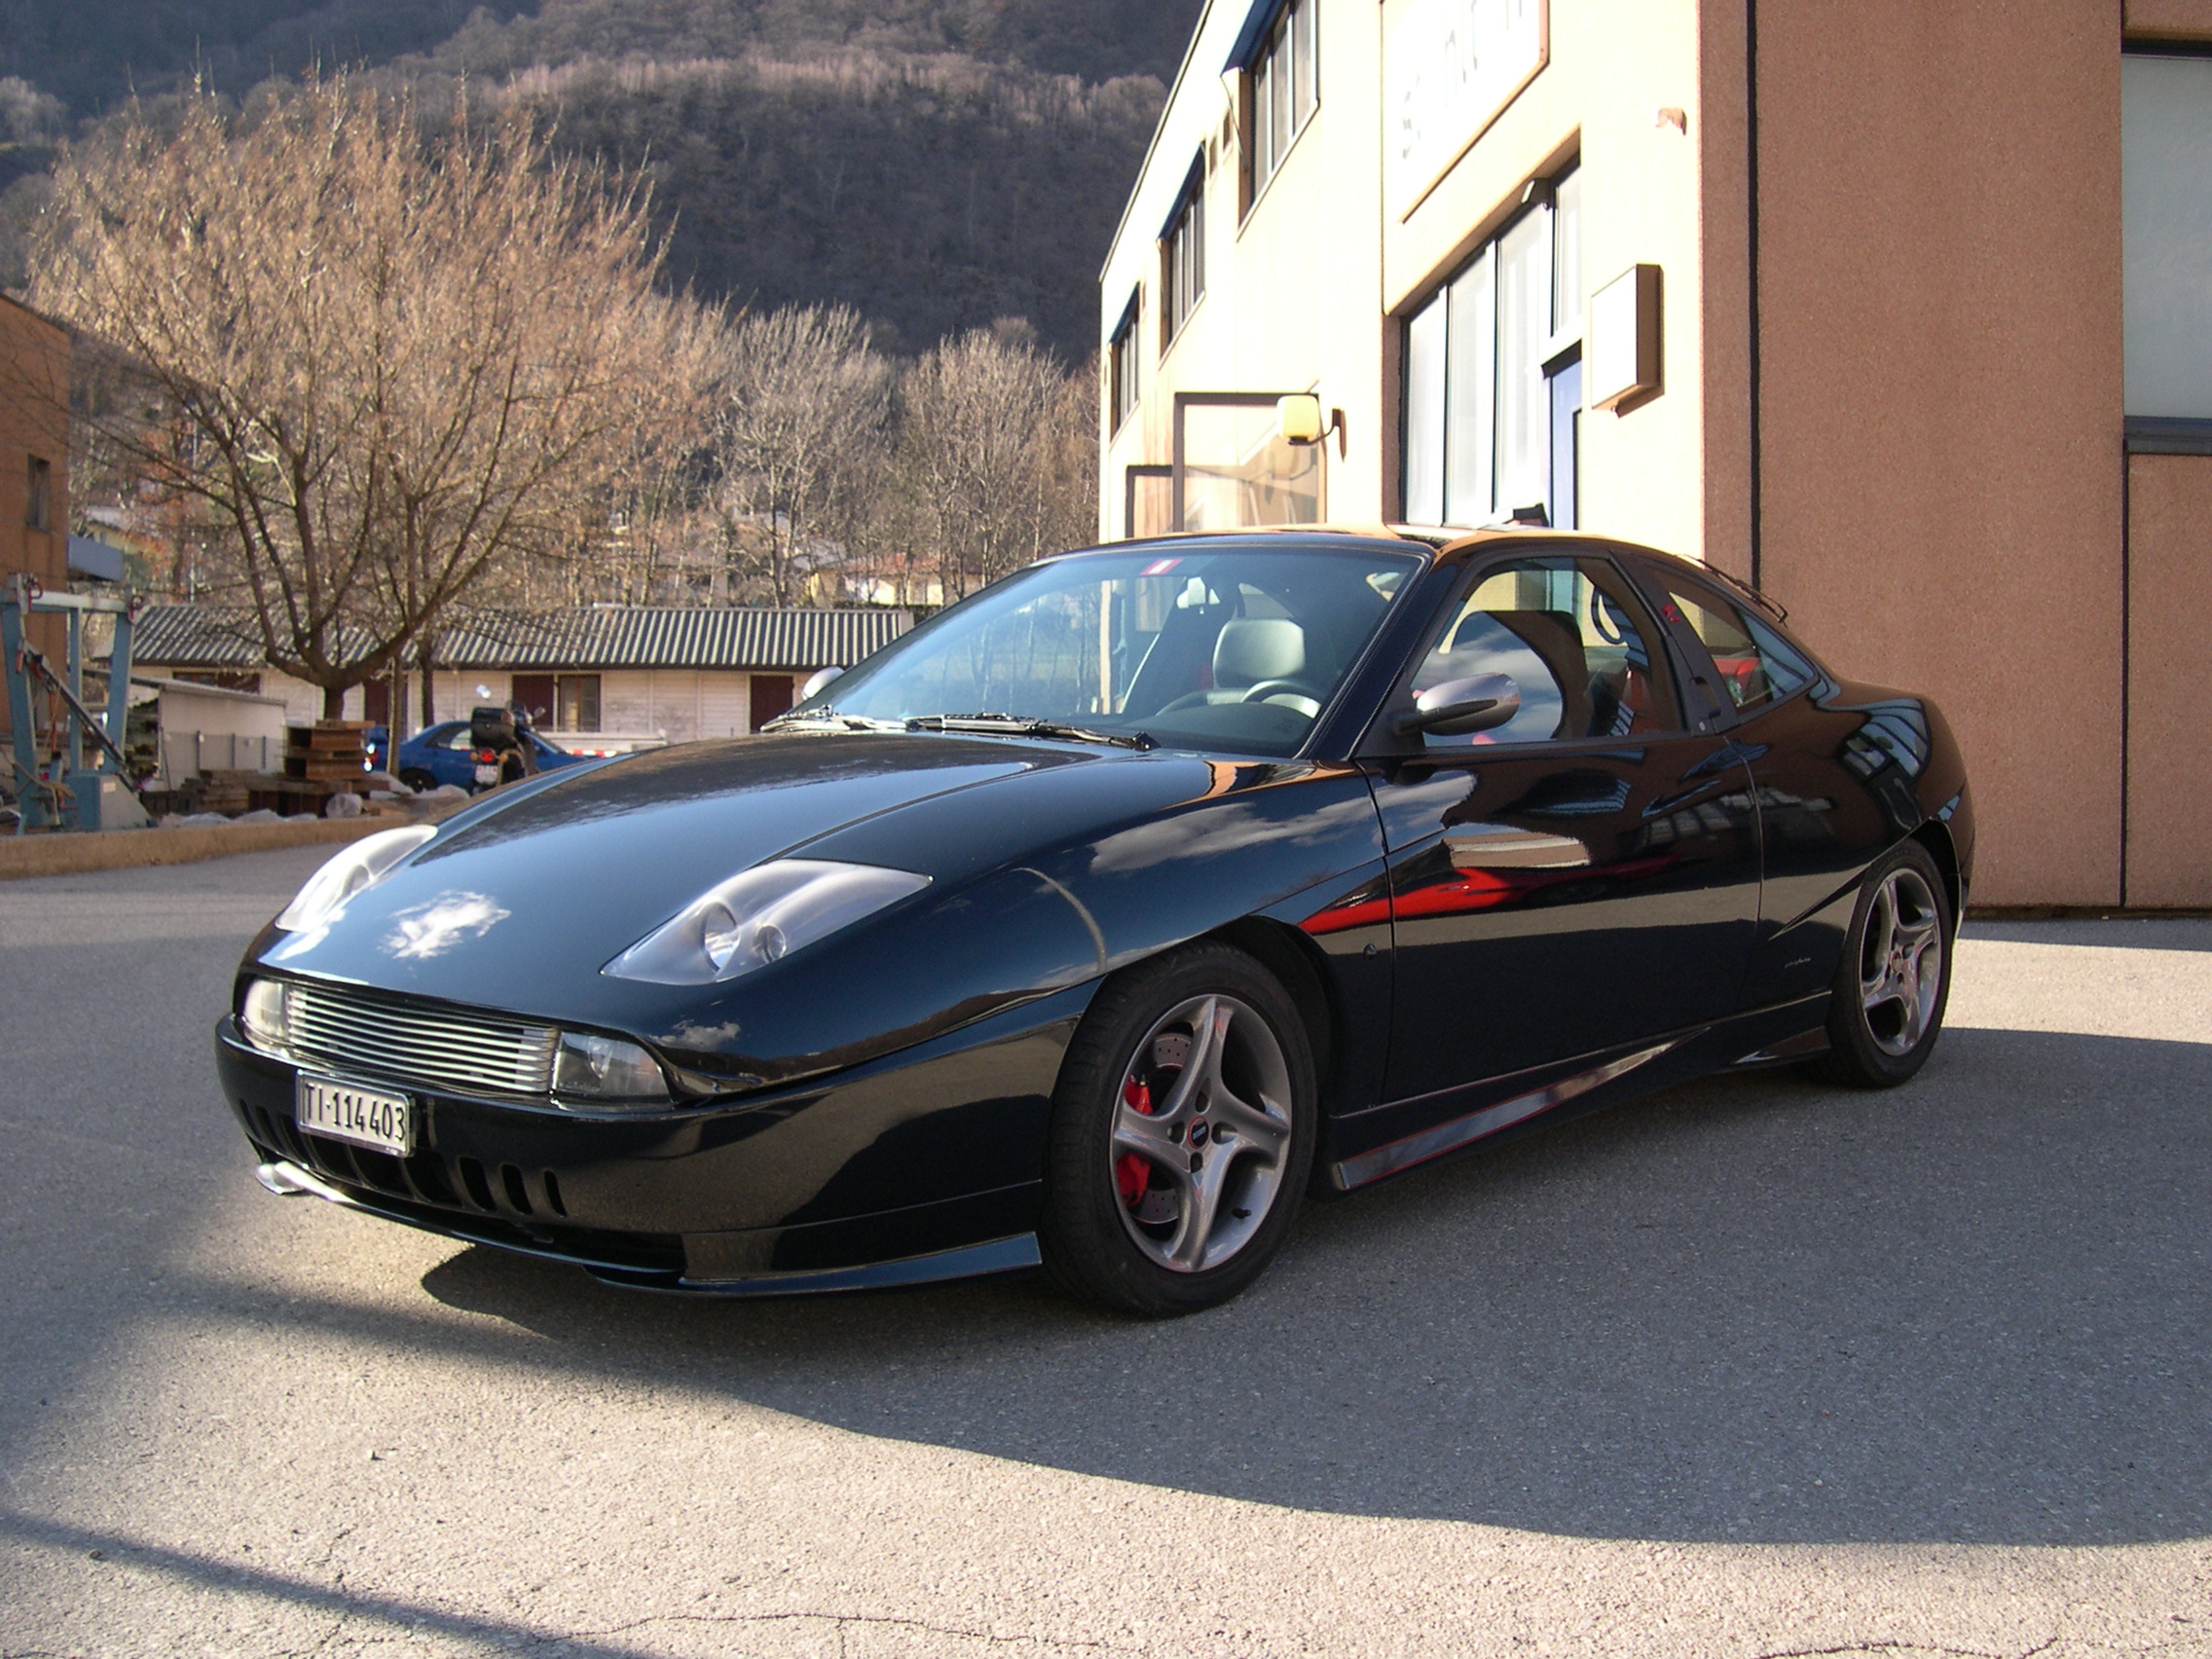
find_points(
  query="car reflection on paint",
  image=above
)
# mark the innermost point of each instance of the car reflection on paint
(1112, 912)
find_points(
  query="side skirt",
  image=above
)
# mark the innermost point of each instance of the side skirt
(999, 1256)
(1420, 1148)
(1445, 1122)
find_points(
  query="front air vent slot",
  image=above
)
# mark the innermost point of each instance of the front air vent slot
(553, 1194)
(383, 1172)
(518, 1195)
(472, 1182)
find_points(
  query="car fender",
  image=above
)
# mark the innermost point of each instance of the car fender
(1037, 886)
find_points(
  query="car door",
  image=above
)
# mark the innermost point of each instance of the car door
(1581, 877)
(452, 760)
(1836, 780)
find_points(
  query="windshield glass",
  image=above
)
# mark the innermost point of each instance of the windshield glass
(1232, 649)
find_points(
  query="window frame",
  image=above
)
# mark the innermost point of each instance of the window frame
(1714, 592)
(38, 492)
(1380, 742)
(1181, 289)
(1549, 357)
(1123, 367)
(1292, 38)
(2148, 433)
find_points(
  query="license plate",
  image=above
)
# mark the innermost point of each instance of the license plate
(366, 1116)
(487, 774)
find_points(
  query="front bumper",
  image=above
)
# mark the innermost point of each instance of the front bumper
(924, 1165)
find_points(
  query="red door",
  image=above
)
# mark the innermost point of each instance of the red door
(535, 694)
(772, 696)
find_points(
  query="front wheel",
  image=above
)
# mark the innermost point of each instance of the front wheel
(1182, 1134)
(1894, 978)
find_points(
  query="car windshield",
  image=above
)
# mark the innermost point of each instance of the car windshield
(1232, 649)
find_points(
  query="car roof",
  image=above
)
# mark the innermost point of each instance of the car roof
(1446, 541)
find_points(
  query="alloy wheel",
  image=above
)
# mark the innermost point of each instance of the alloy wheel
(1900, 962)
(1202, 1132)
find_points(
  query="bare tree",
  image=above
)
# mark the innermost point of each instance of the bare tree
(997, 457)
(390, 360)
(801, 439)
(27, 116)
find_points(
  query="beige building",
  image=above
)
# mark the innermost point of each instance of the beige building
(1900, 309)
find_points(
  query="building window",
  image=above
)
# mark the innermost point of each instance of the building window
(2166, 239)
(38, 496)
(1122, 367)
(1493, 377)
(1282, 89)
(1183, 256)
(559, 702)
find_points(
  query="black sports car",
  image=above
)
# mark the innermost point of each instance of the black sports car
(1109, 913)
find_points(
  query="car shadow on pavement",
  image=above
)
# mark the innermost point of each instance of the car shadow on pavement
(1748, 1310)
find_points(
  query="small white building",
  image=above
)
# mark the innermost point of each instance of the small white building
(675, 673)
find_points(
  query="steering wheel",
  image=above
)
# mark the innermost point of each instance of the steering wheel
(1295, 692)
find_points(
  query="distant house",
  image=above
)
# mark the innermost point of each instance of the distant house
(678, 672)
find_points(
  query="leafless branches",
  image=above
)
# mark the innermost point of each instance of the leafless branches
(996, 459)
(390, 361)
(801, 435)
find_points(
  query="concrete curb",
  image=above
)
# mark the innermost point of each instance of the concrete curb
(65, 853)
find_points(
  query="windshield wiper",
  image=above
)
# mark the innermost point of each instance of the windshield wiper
(1022, 725)
(831, 718)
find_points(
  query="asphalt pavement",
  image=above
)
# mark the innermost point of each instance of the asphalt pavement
(1751, 1368)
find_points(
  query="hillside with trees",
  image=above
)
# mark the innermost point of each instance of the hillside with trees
(934, 165)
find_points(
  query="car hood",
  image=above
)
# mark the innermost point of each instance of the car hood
(519, 902)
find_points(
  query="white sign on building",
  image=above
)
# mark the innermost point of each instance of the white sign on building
(1449, 67)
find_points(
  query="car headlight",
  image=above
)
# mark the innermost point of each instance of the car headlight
(760, 917)
(361, 866)
(608, 1071)
(265, 1015)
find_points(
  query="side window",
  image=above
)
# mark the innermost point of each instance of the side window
(1757, 665)
(1569, 636)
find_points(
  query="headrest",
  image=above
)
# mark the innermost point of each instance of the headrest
(1254, 649)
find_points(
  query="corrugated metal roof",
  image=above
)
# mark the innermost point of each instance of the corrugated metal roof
(675, 637)
(198, 636)
(190, 635)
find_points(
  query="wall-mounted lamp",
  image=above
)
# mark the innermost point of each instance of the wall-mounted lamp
(1300, 421)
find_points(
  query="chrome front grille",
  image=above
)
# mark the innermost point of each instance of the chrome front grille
(473, 1053)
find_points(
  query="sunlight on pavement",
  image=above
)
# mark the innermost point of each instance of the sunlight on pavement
(2087, 990)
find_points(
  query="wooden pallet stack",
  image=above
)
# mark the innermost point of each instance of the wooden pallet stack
(328, 752)
(226, 792)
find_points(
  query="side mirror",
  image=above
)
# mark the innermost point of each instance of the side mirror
(816, 681)
(1460, 708)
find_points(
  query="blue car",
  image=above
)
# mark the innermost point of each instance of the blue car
(442, 755)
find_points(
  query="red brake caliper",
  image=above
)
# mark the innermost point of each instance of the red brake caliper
(1131, 1173)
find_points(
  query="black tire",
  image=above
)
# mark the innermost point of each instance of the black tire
(1106, 1234)
(418, 780)
(512, 770)
(1877, 1036)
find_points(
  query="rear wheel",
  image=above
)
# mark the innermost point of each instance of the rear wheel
(1894, 978)
(418, 780)
(1182, 1133)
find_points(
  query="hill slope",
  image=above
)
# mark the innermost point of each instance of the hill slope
(936, 164)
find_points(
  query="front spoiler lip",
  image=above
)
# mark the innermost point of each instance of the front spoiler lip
(1012, 1254)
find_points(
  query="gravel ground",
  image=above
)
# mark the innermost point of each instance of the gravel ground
(1753, 1368)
